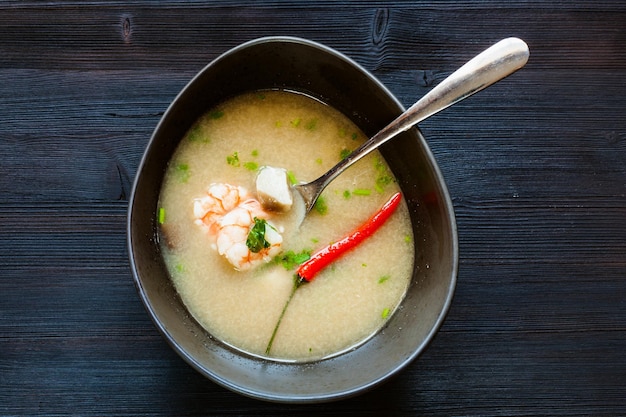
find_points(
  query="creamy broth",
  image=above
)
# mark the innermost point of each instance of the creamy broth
(347, 302)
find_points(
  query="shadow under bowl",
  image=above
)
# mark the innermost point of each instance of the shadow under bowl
(310, 68)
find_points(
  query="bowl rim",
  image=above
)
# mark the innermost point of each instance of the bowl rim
(448, 213)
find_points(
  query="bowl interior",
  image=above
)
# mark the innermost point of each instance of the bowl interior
(311, 68)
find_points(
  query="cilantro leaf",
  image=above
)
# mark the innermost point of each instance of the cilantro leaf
(256, 237)
(290, 259)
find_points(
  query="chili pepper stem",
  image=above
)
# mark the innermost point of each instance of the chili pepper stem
(296, 284)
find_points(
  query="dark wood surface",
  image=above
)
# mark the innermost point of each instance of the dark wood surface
(536, 166)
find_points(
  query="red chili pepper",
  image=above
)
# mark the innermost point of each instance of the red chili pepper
(319, 260)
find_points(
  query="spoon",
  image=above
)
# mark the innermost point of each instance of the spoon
(488, 67)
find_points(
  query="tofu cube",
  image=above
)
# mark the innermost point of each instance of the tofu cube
(273, 189)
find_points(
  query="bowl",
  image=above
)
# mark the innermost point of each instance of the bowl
(321, 72)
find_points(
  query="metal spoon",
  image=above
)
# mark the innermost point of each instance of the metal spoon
(488, 67)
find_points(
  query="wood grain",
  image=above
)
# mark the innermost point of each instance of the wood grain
(535, 165)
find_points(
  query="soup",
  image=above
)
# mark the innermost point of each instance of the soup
(239, 302)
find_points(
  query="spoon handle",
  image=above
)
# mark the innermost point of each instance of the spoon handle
(488, 67)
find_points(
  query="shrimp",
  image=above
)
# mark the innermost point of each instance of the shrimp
(232, 235)
(219, 199)
(227, 213)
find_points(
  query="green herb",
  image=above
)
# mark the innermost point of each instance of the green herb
(383, 279)
(256, 237)
(320, 205)
(347, 194)
(354, 136)
(364, 265)
(260, 96)
(217, 114)
(385, 313)
(318, 161)
(292, 178)
(342, 132)
(182, 171)
(344, 153)
(254, 153)
(295, 122)
(290, 259)
(180, 267)
(161, 215)
(384, 177)
(196, 134)
(311, 125)
(278, 123)
(361, 191)
(382, 182)
(251, 166)
(315, 240)
(408, 238)
(233, 159)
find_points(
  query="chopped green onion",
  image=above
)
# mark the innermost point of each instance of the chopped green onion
(233, 159)
(217, 114)
(251, 166)
(311, 125)
(295, 122)
(292, 178)
(320, 205)
(161, 215)
(344, 153)
(383, 181)
(196, 134)
(384, 177)
(347, 194)
(361, 191)
(182, 171)
(383, 279)
(354, 136)
(385, 312)
(255, 153)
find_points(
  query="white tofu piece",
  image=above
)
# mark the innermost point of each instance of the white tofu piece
(273, 189)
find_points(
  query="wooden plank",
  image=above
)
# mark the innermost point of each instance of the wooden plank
(98, 36)
(476, 143)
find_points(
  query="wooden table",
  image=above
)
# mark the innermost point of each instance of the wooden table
(536, 166)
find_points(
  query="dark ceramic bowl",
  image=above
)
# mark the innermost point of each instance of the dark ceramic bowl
(311, 68)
